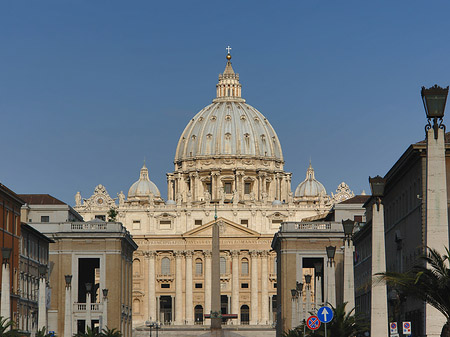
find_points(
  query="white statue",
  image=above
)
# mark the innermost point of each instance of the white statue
(179, 198)
(121, 198)
(207, 196)
(235, 197)
(78, 199)
(189, 197)
(222, 196)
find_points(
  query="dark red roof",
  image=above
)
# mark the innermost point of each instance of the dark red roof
(357, 199)
(40, 199)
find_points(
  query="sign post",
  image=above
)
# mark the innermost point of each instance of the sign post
(325, 315)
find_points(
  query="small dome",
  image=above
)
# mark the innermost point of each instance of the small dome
(310, 187)
(171, 202)
(276, 202)
(143, 187)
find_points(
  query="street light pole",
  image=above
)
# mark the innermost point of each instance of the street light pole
(6, 285)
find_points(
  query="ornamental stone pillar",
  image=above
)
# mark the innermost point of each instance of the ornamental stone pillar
(207, 281)
(151, 256)
(254, 288)
(178, 288)
(264, 288)
(189, 294)
(5, 296)
(68, 311)
(235, 282)
(349, 279)
(42, 312)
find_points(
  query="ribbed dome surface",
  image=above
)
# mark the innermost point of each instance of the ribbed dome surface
(143, 187)
(229, 128)
(310, 187)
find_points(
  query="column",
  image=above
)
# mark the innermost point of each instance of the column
(254, 288)
(437, 217)
(379, 309)
(6, 288)
(178, 288)
(189, 295)
(349, 280)
(207, 281)
(68, 311)
(264, 289)
(331, 283)
(318, 293)
(270, 310)
(105, 313)
(151, 286)
(42, 312)
(235, 283)
(88, 310)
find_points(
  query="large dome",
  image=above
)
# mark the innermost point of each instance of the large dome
(229, 127)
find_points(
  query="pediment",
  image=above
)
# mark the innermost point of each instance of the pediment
(227, 229)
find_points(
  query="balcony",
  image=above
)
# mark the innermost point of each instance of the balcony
(164, 277)
(82, 307)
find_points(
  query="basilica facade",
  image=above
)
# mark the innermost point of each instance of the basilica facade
(229, 168)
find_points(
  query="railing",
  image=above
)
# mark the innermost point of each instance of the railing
(82, 307)
(312, 226)
(164, 277)
(89, 226)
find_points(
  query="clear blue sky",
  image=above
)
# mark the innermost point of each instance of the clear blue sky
(88, 89)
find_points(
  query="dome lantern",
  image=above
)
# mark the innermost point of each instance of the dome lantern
(144, 187)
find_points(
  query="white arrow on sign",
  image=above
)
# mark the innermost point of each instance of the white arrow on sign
(325, 313)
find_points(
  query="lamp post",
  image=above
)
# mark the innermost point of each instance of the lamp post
(68, 307)
(308, 278)
(436, 232)
(105, 308)
(296, 296)
(42, 312)
(5, 310)
(331, 276)
(349, 280)
(88, 305)
(379, 309)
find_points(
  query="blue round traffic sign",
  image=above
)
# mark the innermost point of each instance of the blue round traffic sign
(325, 314)
(313, 323)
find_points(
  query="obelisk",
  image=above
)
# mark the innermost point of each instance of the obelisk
(216, 320)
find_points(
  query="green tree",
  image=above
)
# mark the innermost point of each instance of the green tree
(107, 332)
(89, 333)
(112, 214)
(428, 281)
(7, 328)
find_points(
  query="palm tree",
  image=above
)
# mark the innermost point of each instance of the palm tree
(107, 332)
(89, 333)
(429, 282)
(43, 333)
(7, 328)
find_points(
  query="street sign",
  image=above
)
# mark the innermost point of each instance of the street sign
(406, 328)
(313, 322)
(393, 328)
(395, 335)
(325, 314)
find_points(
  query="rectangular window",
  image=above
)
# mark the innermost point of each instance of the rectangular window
(165, 224)
(247, 188)
(101, 217)
(165, 285)
(244, 285)
(45, 218)
(275, 285)
(198, 222)
(199, 268)
(198, 285)
(7, 221)
(136, 224)
(276, 222)
(244, 222)
(358, 218)
(208, 187)
(228, 188)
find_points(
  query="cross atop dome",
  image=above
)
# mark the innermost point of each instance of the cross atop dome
(228, 88)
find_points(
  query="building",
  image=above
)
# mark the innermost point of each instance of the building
(301, 249)
(228, 162)
(95, 255)
(34, 255)
(405, 222)
(10, 204)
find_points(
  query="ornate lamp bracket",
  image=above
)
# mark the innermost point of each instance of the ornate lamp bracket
(437, 124)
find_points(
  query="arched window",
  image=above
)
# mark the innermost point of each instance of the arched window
(136, 306)
(245, 314)
(223, 265)
(198, 267)
(198, 312)
(165, 266)
(136, 267)
(244, 266)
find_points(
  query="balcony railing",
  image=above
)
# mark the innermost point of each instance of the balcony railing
(82, 307)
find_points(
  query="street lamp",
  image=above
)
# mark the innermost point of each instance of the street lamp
(68, 279)
(308, 279)
(348, 228)
(434, 100)
(6, 254)
(377, 185)
(331, 251)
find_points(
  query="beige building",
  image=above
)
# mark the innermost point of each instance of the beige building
(228, 162)
(95, 253)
